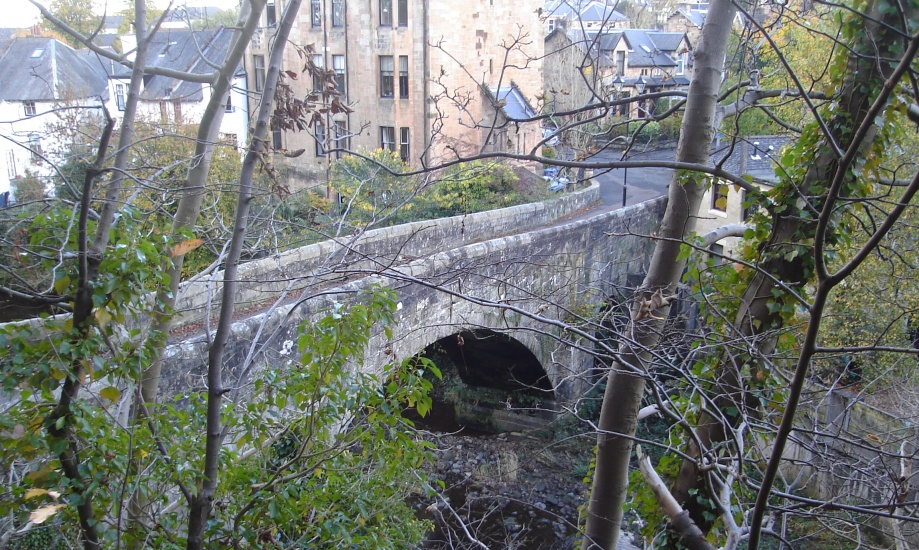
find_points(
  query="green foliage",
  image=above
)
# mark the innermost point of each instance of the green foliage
(470, 187)
(78, 14)
(68, 184)
(36, 360)
(336, 421)
(371, 189)
(127, 14)
(373, 192)
(317, 455)
(647, 129)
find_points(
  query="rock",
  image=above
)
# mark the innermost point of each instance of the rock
(540, 487)
(552, 500)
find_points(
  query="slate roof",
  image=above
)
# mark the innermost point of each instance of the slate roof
(179, 49)
(515, 105)
(599, 12)
(184, 14)
(756, 156)
(694, 16)
(647, 47)
(43, 69)
(585, 10)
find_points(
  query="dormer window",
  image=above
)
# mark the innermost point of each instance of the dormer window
(755, 155)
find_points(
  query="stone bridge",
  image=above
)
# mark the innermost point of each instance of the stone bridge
(501, 280)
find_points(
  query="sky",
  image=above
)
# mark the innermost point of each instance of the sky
(23, 13)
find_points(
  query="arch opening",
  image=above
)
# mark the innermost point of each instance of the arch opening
(491, 382)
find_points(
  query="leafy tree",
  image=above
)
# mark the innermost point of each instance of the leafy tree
(27, 189)
(471, 187)
(79, 15)
(370, 188)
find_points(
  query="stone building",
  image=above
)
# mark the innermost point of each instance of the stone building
(584, 67)
(427, 79)
(583, 15)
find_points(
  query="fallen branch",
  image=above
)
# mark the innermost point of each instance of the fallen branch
(682, 524)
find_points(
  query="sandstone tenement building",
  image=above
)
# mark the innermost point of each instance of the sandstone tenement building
(426, 79)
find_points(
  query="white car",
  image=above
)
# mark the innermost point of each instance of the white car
(551, 136)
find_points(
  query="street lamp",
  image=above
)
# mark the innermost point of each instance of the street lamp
(617, 85)
(640, 88)
(640, 85)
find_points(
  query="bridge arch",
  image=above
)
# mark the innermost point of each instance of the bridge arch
(496, 360)
(491, 381)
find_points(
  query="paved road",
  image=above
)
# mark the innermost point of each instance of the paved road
(641, 183)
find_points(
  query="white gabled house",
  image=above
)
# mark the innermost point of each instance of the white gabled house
(754, 157)
(45, 84)
(172, 101)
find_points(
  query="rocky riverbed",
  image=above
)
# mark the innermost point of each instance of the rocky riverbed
(509, 490)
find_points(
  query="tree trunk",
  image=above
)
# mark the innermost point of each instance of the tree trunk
(202, 502)
(193, 192)
(624, 389)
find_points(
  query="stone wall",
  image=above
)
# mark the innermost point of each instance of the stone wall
(849, 452)
(284, 275)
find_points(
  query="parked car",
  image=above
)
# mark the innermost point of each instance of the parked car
(556, 182)
(551, 136)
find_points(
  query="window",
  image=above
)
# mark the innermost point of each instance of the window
(11, 170)
(119, 96)
(551, 25)
(403, 13)
(717, 253)
(720, 197)
(624, 109)
(230, 139)
(338, 13)
(228, 106)
(386, 13)
(29, 107)
(319, 134)
(35, 147)
(749, 206)
(338, 63)
(258, 63)
(341, 137)
(386, 76)
(316, 13)
(317, 76)
(681, 63)
(403, 76)
(277, 139)
(388, 138)
(620, 63)
(271, 15)
(404, 149)
(177, 109)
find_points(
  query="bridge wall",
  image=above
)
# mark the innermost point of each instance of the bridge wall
(284, 275)
(557, 271)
